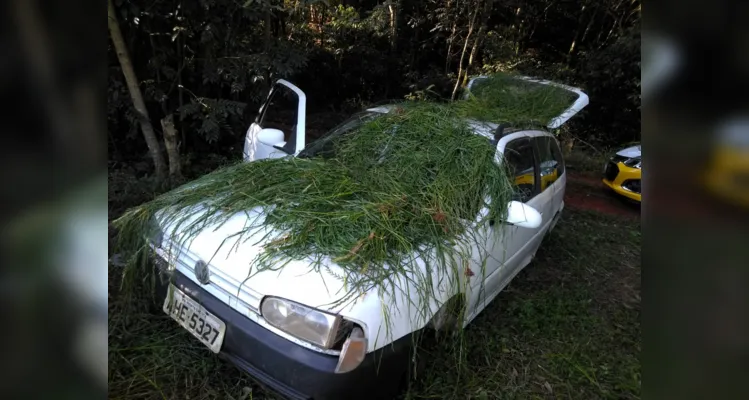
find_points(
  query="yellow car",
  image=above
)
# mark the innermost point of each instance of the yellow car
(549, 175)
(727, 173)
(623, 173)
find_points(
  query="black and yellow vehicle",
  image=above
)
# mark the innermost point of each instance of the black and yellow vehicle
(727, 172)
(623, 173)
(549, 175)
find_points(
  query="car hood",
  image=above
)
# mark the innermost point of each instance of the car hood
(231, 260)
(631, 152)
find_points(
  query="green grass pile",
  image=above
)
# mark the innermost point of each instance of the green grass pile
(402, 186)
(503, 98)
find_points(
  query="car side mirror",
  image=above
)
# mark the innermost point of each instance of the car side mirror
(522, 215)
(271, 137)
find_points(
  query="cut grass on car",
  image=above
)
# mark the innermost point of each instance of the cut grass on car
(506, 99)
(405, 184)
(401, 189)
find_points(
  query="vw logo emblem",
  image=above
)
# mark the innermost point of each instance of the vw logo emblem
(201, 272)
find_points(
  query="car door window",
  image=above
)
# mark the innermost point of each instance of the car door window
(551, 165)
(521, 165)
(281, 113)
(557, 153)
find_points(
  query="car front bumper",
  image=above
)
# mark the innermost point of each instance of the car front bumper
(727, 175)
(295, 371)
(624, 180)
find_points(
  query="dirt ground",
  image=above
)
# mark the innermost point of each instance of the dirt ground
(589, 193)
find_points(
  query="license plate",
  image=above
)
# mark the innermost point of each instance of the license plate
(195, 318)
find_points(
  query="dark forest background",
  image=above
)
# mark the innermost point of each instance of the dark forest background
(203, 67)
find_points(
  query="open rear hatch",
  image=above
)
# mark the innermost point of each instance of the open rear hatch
(527, 89)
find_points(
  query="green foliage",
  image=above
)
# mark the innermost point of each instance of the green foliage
(215, 115)
(339, 52)
(377, 20)
(402, 187)
(344, 18)
(214, 49)
(615, 107)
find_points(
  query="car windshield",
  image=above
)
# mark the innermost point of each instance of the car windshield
(324, 147)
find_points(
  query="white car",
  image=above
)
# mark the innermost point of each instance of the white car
(281, 328)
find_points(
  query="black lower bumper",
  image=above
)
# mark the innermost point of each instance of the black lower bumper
(633, 185)
(295, 371)
(611, 171)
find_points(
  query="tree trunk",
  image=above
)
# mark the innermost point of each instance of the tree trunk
(322, 15)
(479, 37)
(266, 48)
(393, 9)
(448, 9)
(181, 92)
(172, 148)
(266, 32)
(450, 47)
(132, 85)
(472, 56)
(617, 20)
(573, 45)
(413, 45)
(463, 53)
(590, 23)
(517, 30)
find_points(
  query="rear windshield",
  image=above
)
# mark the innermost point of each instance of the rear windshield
(506, 99)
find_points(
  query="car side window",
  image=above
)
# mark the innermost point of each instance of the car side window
(550, 160)
(557, 153)
(521, 165)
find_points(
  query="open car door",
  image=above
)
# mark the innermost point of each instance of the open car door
(282, 119)
(579, 102)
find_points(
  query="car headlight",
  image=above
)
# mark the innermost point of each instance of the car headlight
(635, 162)
(303, 322)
